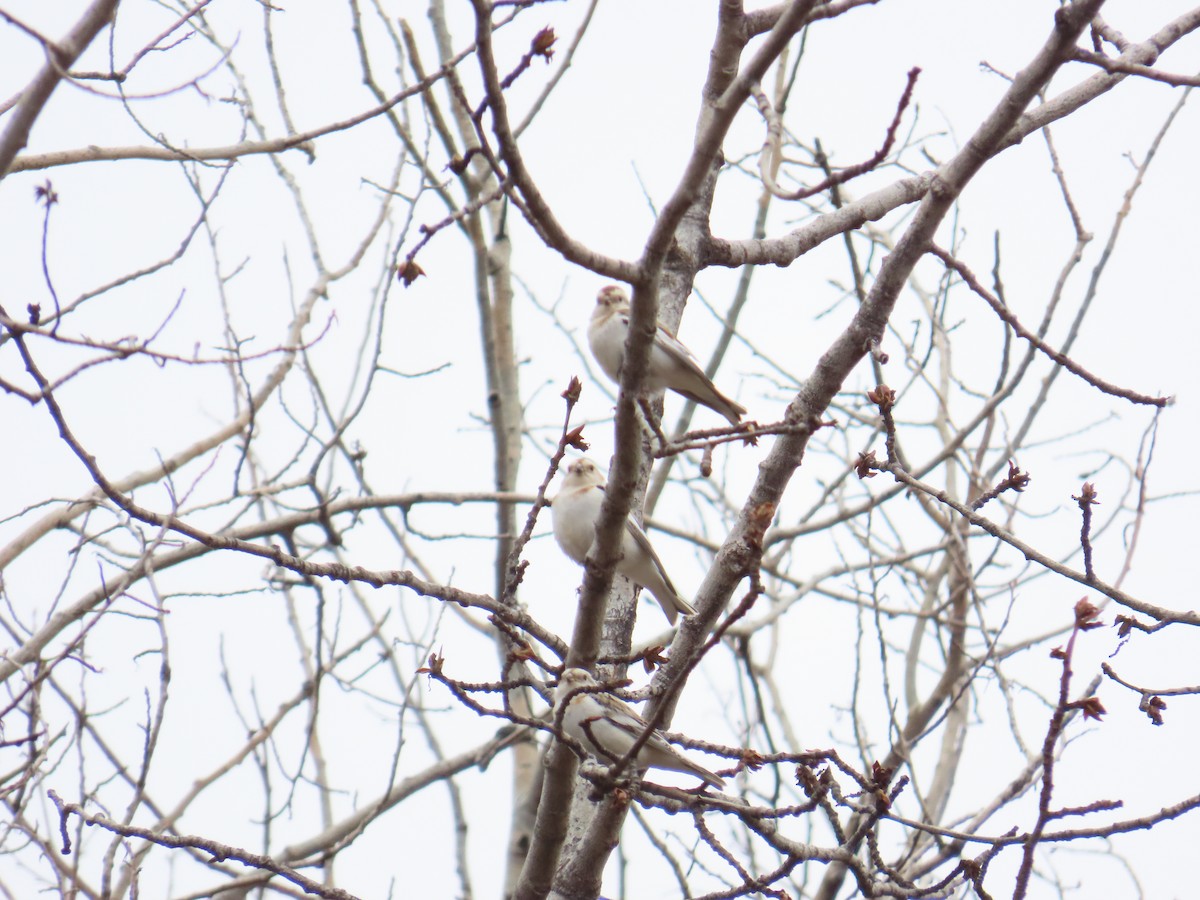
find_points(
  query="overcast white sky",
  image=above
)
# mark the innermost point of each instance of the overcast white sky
(610, 141)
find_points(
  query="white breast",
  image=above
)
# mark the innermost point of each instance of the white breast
(574, 514)
(607, 340)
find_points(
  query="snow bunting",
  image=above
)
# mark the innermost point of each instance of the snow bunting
(671, 363)
(575, 511)
(608, 727)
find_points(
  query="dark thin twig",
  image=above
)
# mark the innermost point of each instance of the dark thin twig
(851, 172)
(514, 568)
(49, 199)
(1086, 500)
(1116, 66)
(1061, 359)
(217, 850)
(1085, 620)
(1016, 480)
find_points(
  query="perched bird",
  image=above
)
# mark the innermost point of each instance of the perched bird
(607, 728)
(671, 364)
(575, 511)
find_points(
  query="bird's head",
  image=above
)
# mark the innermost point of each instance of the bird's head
(575, 677)
(583, 473)
(611, 298)
(570, 680)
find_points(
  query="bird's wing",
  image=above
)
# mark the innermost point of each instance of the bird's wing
(678, 352)
(643, 544)
(681, 355)
(671, 345)
(623, 720)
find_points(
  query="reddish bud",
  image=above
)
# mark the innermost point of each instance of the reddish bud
(523, 652)
(883, 397)
(434, 667)
(1092, 708)
(653, 657)
(752, 760)
(543, 44)
(1087, 496)
(408, 272)
(866, 464)
(1153, 708)
(1086, 615)
(574, 389)
(574, 438)
(1016, 480)
(46, 194)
